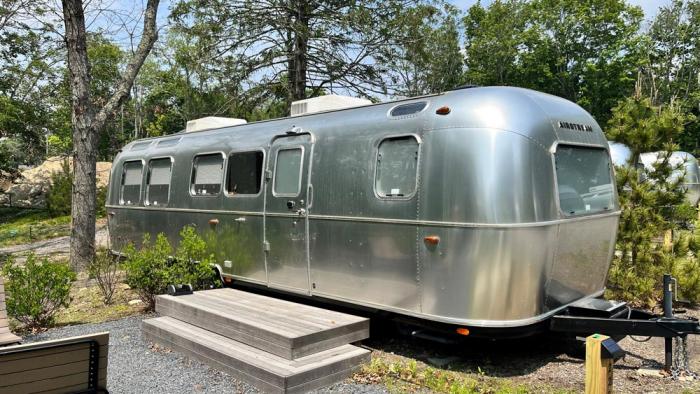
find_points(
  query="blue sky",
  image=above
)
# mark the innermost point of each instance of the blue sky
(650, 7)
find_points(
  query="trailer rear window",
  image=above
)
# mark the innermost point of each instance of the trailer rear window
(397, 166)
(584, 180)
(288, 172)
(158, 181)
(244, 173)
(207, 172)
(131, 183)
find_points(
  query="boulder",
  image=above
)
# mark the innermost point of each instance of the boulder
(30, 188)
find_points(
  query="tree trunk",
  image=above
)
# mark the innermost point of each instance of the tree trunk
(82, 246)
(298, 62)
(87, 123)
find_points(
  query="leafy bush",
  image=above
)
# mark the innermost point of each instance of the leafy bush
(37, 290)
(146, 268)
(104, 270)
(58, 199)
(59, 196)
(152, 267)
(193, 261)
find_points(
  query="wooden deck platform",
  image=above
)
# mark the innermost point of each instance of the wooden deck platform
(283, 328)
(275, 345)
(6, 336)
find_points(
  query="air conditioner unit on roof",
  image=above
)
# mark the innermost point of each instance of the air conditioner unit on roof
(326, 103)
(212, 122)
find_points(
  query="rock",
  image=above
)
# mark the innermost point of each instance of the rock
(30, 188)
(135, 302)
(442, 362)
(652, 373)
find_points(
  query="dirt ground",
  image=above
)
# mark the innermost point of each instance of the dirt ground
(542, 361)
(56, 248)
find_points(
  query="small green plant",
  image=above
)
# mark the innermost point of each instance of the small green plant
(37, 290)
(104, 270)
(193, 261)
(152, 267)
(58, 199)
(59, 196)
(146, 268)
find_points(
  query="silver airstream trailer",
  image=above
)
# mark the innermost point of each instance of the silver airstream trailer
(689, 172)
(621, 155)
(488, 207)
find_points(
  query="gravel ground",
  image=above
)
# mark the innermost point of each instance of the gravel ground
(134, 367)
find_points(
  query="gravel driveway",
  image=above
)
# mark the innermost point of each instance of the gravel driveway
(136, 368)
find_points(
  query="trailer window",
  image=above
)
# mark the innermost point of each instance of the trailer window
(207, 172)
(584, 181)
(158, 181)
(131, 183)
(244, 173)
(288, 172)
(397, 165)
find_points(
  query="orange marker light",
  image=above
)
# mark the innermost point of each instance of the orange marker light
(462, 331)
(443, 110)
(432, 240)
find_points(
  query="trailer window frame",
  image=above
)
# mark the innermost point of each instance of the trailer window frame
(147, 194)
(123, 179)
(228, 169)
(614, 206)
(419, 143)
(193, 174)
(301, 171)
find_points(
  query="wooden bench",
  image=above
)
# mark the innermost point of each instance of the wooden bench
(70, 365)
(6, 336)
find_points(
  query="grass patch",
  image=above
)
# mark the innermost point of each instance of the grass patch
(402, 375)
(19, 226)
(87, 307)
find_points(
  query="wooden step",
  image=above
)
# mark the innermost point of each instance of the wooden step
(267, 372)
(283, 328)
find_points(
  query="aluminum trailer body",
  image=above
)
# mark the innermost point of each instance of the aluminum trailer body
(497, 212)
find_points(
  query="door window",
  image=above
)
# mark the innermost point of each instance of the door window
(288, 172)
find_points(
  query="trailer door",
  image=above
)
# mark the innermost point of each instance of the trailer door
(286, 220)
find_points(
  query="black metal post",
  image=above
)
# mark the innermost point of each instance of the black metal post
(668, 313)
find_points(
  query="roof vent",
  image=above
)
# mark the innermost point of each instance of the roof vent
(212, 122)
(326, 103)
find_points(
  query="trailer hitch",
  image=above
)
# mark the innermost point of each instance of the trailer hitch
(637, 323)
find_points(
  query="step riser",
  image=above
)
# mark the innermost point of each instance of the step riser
(262, 333)
(205, 350)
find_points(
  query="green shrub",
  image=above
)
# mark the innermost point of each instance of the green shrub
(37, 290)
(146, 268)
(152, 267)
(104, 270)
(59, 196)
(58, 199)
(193, 261)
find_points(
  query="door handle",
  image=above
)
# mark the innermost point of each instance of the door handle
(239, 220)
(301, 211)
